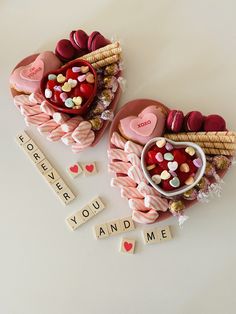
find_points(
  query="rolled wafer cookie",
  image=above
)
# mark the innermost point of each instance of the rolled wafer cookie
(106, 61)
(213, 137)
(228, 146)
(217, 151)
(103, 55)
(100, 50)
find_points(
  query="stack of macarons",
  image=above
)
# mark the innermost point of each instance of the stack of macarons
(79, 44)
(194, 121)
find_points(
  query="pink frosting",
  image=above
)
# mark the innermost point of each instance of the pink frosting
(27, 78)
(148, 124)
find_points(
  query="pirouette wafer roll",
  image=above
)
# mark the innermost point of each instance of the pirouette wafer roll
(105, 48)
(217, 151)
(102, 55)
(228, 146)
(213, 137)
(105, 62)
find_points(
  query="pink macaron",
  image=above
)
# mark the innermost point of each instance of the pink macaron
(193, 121)
(64, 50)
(96, 41)
(174, 121)
(79, 40)
(214, 123)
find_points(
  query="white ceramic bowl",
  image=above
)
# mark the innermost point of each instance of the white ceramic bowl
(199, 152)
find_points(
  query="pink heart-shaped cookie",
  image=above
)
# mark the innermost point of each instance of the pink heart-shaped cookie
(149, 123)
(144, 125)
(33, 71)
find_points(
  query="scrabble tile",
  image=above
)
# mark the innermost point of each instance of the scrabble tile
(22, 138)
(86, 213)
(164, 233)
(74, 221)
(89, 168)
(30, 147)
(37, 156)
(59, 186)
(66, 196)
(114, 227)
(51, 176)
(44, 166)
(127, 246)
(96, 205)
(101, 231)
(127, 224)
(74, 170)
(151, 236)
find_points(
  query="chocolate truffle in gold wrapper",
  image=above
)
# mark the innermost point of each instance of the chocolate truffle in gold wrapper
(111, 69)
(221, 162)
(190, 195)
(96, 123)
(106, 95)
(203, 184)
(210, 170)
(176, 207)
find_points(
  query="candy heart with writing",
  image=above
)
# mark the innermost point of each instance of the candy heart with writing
(34, 71)
(144, 126)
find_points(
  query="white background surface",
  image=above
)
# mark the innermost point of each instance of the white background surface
(180, 52)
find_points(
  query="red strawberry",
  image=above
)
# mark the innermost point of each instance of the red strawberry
(164, 164)
(51, 84)
(56, 98)
(179, 155)
(150, 157)
(71, 74)
(156, 170)
(165, 184)
(86, 89)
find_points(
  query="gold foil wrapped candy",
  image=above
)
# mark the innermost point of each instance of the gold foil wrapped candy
(176, 207)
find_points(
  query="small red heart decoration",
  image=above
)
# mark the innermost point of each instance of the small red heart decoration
(89, 168)
(128, 246)
(74, 169)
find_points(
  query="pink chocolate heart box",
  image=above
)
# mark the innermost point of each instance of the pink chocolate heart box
(72, 103)
(161, 172)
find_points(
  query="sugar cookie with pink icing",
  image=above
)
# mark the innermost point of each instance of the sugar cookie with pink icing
(148, 124)
(27, 78)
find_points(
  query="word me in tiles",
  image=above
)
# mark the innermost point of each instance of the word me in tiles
(157, 235)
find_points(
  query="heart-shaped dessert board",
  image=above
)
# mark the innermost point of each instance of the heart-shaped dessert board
(94, 94)
(126, 145)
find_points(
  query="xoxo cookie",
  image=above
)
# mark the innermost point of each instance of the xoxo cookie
(149, 123)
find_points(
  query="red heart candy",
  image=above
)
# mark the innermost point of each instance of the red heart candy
(74, 169)
(51, 84)
(128, 246)
(89, 168)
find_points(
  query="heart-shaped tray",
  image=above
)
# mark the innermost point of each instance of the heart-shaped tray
(112, 106)
(133, 108)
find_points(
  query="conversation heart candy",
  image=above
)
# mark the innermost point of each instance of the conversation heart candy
(165, 175)
(75, 69)
(190, 150)
(168, 146)
(175, 182)
(48, 93)
(159, 157)
(61, 78)
(72, 82)
(63, 96)
(197, 162)
(172, 165)
(168, 156)
(69, 103)
(156, 179)
(90, 78)
(77, 100)
(161, 143)
(81, 78)
(151, 167)
(189, 181)
(52, 77)
(184, 167)
(66, 87)
(57, 88)
(84, 69)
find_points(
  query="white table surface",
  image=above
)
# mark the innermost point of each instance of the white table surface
(179, 52)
